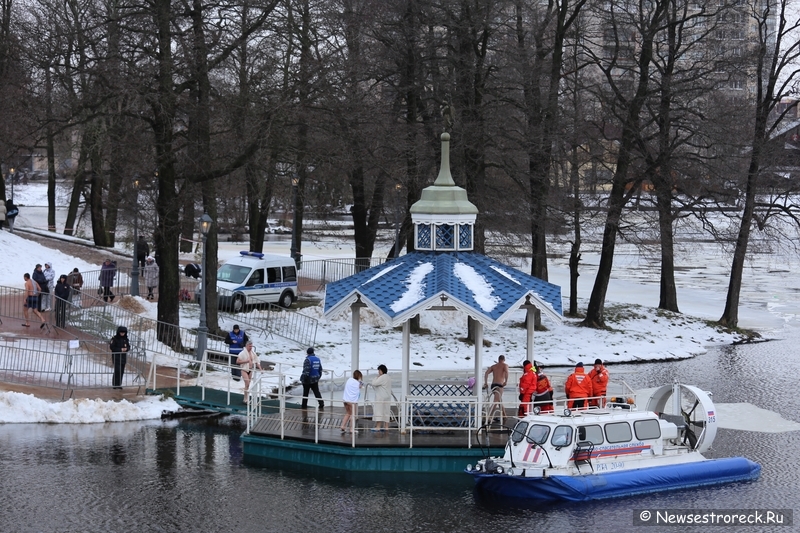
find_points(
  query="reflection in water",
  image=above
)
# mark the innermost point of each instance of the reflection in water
(189, 475)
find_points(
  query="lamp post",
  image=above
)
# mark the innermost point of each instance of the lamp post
(135, 266)
(295, 248)
(397, 189)
(202, 330)
(11, 173)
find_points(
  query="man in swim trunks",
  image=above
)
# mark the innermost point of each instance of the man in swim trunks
(499, 372)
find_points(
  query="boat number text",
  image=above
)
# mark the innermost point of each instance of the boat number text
(616, 465)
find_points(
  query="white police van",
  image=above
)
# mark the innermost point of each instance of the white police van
(254, 278)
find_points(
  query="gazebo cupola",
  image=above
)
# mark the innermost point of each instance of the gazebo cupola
(443, 218)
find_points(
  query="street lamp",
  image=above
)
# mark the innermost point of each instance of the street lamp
(202, 330)
(397, 189)
(135, 265)
(295, 248)
(11, 173)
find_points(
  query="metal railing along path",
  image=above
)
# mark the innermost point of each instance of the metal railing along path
(67, 365)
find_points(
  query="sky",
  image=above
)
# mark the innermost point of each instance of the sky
(637, 332)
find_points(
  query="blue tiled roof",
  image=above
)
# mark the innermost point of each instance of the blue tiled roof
(483, 288)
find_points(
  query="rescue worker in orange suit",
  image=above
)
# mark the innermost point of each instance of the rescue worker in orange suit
(599, 377)
(578, 388)
(527, 387)
(543, 398)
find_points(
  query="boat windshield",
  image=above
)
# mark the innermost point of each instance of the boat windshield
(562, 436)
(538, 433)
(518, 432)
(233, 273)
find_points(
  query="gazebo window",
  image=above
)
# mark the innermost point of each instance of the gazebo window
(465, 237)
(423, 236)
(445, 238)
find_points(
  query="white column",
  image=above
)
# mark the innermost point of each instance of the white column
(355, 333)
(478, 366)
(406, 364)
(530, 322)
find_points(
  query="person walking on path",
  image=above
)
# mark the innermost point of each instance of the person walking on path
(236, 341)
(352, 390)
(50, 276)
(107, 274)
(62, 292)
(31, 300)
(527, 387)
(598, 375)
(248, 361)
(38, 277)
(499, 373)
(312, 372)
(578, 388)
(142, 251)
(382, 385)
(75, 282)
(150, 277)
(120, 346)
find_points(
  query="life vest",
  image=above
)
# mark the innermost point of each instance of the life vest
(316, 368)
(235, 349)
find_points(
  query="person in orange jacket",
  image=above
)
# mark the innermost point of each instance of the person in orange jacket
(527, 387)
(599, 378)
(543, 398)
(578, 388)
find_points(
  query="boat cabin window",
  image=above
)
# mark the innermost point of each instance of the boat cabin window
(618, 432)
(538, 433)
(562, 436)
(593, 434)
(519, 432)
(647, 429)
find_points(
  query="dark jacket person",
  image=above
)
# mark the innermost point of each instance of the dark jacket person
(120, 346)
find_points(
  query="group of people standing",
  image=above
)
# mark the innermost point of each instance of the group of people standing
(583, 390)
(40, 288)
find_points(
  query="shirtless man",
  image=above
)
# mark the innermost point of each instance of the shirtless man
(499, 372)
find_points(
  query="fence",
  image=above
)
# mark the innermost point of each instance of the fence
(321, 271)
(67, 365)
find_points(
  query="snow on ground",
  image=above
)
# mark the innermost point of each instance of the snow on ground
(637, 331)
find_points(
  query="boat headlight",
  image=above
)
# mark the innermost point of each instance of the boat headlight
(469, 468)
(500, 470)
(510, 471)
(478, 467)
(537, 410)
(567, 412)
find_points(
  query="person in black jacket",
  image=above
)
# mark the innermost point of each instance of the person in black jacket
(120, 346)
(39, 277)
(63, 292)
(142, 251)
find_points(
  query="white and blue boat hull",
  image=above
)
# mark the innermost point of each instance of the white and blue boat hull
(618, 484)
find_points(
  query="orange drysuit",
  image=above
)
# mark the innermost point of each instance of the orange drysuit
(578, 388)
(527, 388)
(599, 379)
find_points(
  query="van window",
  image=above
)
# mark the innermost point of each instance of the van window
(289, 273)
(618, 432)
(257, 278)
(647, 429)
(233, 273)
(593, 434)
(273, 274)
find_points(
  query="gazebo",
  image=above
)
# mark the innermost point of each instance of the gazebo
(444, 273)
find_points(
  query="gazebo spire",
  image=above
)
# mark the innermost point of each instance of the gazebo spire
(443, 217)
